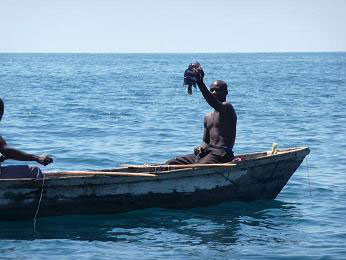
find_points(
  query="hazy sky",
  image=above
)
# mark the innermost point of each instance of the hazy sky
(172, 26)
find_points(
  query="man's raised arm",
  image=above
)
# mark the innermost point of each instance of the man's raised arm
(208, 96)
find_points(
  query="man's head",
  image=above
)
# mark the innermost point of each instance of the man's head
(219, 89)
(1, 108)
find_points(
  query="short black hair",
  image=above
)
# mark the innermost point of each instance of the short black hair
(222, 84)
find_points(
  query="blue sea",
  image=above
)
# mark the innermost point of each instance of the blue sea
(96, 111)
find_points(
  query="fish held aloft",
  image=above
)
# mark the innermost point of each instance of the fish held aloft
(190, 76)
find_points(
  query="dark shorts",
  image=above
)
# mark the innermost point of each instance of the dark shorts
(213, 154)
(20, 171)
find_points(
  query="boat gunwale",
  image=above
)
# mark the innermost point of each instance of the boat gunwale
(189, 171)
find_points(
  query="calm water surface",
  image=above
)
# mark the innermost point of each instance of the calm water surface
(102, 110)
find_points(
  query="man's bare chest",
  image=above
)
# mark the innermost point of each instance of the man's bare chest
(214, 119)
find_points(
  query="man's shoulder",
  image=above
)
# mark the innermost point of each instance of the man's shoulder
(228, 106)
(227, 103)
(229, 109)
(2, 140)
(207, 116)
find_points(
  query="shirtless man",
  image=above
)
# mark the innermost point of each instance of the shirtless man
(18, 171)
(219, 127)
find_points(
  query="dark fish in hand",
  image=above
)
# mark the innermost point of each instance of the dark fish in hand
(190, 77)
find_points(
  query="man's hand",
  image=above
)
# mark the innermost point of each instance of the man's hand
(199, 74)
(199, 151)
(44, 160)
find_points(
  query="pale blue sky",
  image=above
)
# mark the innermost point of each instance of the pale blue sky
(172, 26)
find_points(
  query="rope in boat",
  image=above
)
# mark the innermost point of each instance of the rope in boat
(39, 202)
(307, 169)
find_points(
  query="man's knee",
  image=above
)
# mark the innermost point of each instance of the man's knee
(187, 159)
(20, 171)
(207, 160)
(171, 161)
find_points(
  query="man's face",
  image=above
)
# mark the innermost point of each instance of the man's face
(219, 91)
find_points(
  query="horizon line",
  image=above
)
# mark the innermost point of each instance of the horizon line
(240, 52)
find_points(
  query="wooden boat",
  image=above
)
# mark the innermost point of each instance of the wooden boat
(256, 176)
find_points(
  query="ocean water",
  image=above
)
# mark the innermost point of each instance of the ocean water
(95, 111)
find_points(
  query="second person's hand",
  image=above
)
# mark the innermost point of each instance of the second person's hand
(44, 160)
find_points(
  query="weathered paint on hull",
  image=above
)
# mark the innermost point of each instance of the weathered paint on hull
(179, 190)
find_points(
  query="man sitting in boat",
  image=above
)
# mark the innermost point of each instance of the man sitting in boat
(18, 171)
(219, 126)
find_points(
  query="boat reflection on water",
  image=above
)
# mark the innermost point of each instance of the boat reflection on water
(223, 224)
